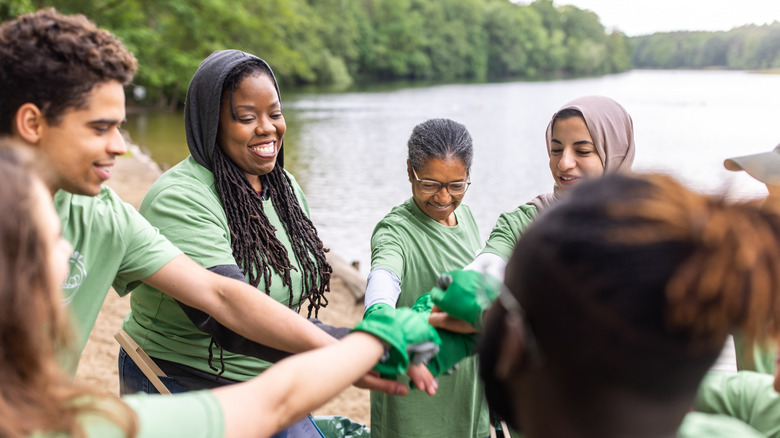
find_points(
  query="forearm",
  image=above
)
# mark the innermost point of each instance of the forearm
(238, 306)
(295, 386)
(236, 343)
(382, 286)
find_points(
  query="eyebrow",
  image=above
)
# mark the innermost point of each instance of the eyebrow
(576, 143)
(107, 122)
(275, 103)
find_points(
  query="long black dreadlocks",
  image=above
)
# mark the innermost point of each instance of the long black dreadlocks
(253, 239)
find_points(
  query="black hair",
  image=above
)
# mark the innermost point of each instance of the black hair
(253, 239)
(442, 139)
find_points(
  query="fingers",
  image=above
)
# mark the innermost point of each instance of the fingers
(443, 321)
(423, 379)
(373, 382)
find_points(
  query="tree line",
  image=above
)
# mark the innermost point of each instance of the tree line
(344, 42)
(743, 48)
(338, 43)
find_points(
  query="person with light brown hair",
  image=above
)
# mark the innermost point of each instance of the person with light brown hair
(39, 398)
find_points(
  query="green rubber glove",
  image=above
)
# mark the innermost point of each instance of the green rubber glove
(454, 346)
(465, 295)
(403, 331)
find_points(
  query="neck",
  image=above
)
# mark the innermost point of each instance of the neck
(546, 413)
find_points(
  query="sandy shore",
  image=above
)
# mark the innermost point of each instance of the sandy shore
(131, 178)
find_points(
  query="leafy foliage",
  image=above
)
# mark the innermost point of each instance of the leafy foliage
(341, 42)
(744, 48)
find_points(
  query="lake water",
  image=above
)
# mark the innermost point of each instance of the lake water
(348, 150)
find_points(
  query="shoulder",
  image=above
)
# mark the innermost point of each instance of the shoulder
(186, 182)
(698, 424)
(106, 204)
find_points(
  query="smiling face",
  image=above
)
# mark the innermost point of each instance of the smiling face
(253, 137)
(440, 205)
(573, 156)
(83, 145)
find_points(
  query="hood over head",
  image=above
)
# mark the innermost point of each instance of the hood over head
(202, 104)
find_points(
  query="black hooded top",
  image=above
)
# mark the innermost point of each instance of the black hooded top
(204, 96)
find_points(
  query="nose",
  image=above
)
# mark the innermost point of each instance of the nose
(442, 197)
(117, 145)
(264, 126)
(567, 160)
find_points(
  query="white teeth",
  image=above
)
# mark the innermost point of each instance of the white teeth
(264, 149)
(567, 178)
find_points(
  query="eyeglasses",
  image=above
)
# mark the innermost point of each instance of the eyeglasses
(431, 187)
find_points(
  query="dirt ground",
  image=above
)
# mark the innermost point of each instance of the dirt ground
(132, 177)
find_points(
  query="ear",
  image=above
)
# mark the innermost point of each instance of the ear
(409, 171)
(28, 123)
(512, 354)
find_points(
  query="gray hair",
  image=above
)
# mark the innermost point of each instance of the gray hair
(442, 139)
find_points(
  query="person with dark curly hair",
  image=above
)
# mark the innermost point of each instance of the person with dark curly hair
(63, 95)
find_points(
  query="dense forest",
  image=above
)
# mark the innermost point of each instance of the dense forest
(338, 43)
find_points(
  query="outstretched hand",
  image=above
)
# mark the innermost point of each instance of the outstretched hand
(422, 378)
(373, 382)
(442, 320)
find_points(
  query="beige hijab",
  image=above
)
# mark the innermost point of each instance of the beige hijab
(612, 132)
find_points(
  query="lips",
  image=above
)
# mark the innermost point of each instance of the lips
(264, 150)
(568, 179)
(103, 169)
(440, 207)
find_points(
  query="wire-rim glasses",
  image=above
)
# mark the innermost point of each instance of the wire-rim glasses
(431, 187)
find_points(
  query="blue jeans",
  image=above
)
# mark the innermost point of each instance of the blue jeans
(132, 380)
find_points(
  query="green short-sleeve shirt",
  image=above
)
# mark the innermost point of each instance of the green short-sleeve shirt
(417, 249)
(744, 395)
(193, 415)
(185, 206)
(699, 425)
(509, 227)
(112, 245)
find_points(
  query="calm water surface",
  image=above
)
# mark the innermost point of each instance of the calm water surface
(348, 150)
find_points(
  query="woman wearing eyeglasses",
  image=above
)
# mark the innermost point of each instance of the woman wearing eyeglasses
(587, 138)
(430, 233)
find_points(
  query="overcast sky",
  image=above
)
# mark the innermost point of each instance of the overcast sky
(637, 17)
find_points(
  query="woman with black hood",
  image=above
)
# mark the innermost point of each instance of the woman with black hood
(232, 208)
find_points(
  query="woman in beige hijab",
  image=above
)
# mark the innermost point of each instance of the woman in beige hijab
(588, 137)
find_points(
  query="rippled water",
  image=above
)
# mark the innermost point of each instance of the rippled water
(348, 150)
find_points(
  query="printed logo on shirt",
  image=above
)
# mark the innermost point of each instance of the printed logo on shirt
(76, 276)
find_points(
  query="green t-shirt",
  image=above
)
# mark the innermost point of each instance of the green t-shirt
(699, 425)
(761, 358)
(417, 249)
(744, 395)
(191, 415)
(112, 245)
(184, 205)
(509, 227)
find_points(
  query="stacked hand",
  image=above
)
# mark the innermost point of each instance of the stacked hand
(462, 296)
(406, 334)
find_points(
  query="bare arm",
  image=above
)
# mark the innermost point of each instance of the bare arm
(286, 392)
(238, 306)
